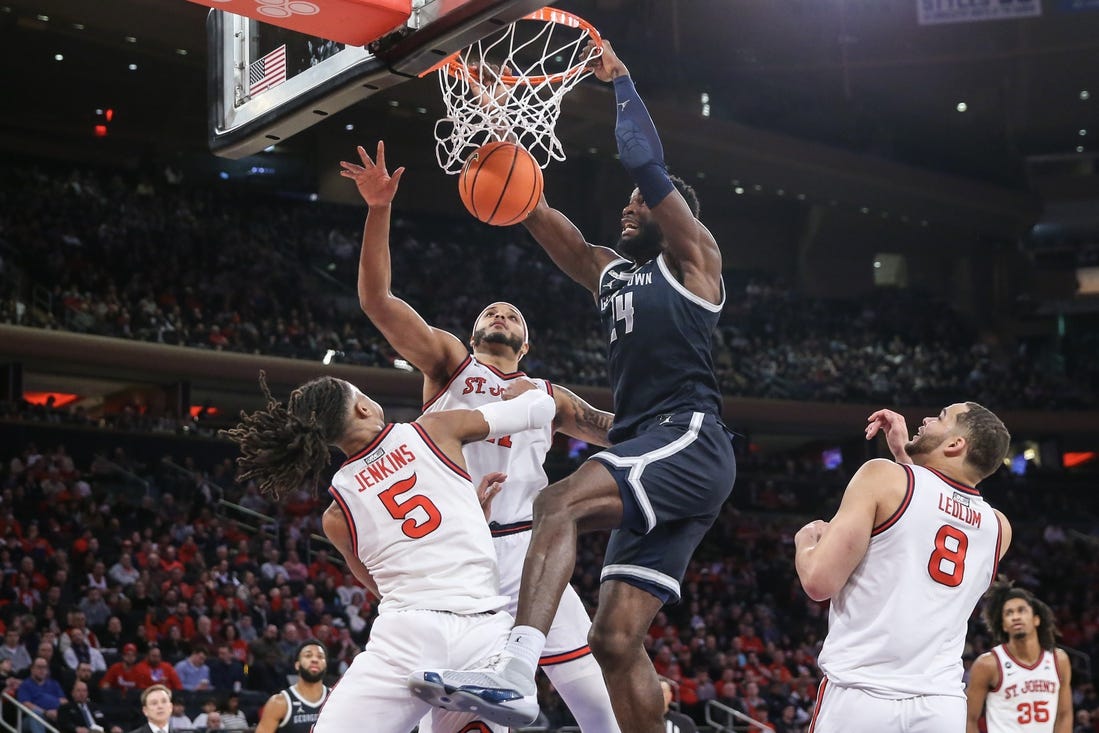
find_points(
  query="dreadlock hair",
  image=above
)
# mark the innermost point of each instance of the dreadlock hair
(987, 437)
(1002, 591)
(286, 446)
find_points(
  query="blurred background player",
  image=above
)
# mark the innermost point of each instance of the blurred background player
(455, 379)
(904, 561)
(408, 522)
(661, 484)
(296, 709)
(1024, 684)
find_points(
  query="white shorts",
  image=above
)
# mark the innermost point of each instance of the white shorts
(568, 636)
(372, 694)
(851, 710)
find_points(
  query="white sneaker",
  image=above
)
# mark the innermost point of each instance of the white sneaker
(487, 693)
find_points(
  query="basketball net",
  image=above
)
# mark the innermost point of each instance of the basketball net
(509, 85)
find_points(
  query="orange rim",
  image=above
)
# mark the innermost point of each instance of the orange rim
(457, 69)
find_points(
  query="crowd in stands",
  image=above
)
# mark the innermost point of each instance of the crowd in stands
(111, 592)
(226, 268)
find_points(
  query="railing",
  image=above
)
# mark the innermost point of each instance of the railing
(726, 720)
(22, 714)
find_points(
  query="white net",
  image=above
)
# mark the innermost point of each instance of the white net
(509, 86)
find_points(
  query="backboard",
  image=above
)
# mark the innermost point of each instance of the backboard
(267, 83)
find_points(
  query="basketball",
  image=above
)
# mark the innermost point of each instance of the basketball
(500, 183)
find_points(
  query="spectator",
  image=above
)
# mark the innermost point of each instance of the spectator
(123, 572)
(80, 714)
(80, 651)
(125, 674)
(155, 671)
(226, 671)
(42, 694)
(209, 707)
(232, 717)
(16, 651)
(674, 721)
(179, 720)
(193, 672)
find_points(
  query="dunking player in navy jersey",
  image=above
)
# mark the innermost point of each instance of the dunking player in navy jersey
(455, 379)
(661, 485)
(296, 709)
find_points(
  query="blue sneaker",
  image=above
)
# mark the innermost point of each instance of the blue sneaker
(486, 693)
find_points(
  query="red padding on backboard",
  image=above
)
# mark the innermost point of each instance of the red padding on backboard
(353, 22)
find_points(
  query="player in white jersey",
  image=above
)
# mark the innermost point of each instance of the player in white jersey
(296, 709)
(410, 525)
(1024, 685)
(904, 562)
(455, 379)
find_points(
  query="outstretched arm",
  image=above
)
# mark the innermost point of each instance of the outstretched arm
(433, 351)
(567, 247)
(577, 418)
(522, 408)
(691, 249)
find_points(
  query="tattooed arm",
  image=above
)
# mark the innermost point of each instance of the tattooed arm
(577, 418)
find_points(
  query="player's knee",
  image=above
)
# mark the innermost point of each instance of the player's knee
(552, 504)
(612, 646)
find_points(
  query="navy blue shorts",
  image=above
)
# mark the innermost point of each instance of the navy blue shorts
(673, 476)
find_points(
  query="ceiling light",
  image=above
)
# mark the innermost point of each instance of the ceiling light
(781, 192)
(864, 210)
(1085, 95)
(801, 197)
(58, 57)
(132, 67)
(1079, 148)
(421, 110)
(43, 18)
(349, 127)
(78, 26)
(757, 187)
(738, 190)
(394, 103)
(1083, 133)
(181, 52)
(877, 264)
(131, 39)
(962, 107)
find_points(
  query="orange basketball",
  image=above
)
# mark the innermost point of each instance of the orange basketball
(500, 183)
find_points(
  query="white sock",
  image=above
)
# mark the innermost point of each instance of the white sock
(525, 644)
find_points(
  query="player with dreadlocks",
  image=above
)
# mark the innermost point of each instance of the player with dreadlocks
(1025, 683)
(408, 521)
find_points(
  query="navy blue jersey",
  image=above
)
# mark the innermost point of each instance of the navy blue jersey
(300, 713)
(660, 336)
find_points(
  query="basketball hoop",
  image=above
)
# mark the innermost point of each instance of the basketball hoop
(509, 85)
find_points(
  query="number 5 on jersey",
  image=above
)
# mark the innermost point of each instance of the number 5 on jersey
(400, 509)
(623, 311)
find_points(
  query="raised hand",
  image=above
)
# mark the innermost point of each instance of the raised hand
(895, 429)
(375, 184)
(603, 61)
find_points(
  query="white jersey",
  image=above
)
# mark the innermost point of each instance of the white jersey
(520, 456)
(1025, 701)
(417, 525)
(897, 627)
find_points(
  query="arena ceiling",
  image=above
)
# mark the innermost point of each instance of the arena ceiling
(861, 75)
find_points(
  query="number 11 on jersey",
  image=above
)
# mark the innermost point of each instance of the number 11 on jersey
(623, 311)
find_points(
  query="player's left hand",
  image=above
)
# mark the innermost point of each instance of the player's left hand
(895, 429)
(375, 184)
(603, 61)
(488, 488)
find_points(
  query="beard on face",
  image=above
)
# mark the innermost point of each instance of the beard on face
(310, 676)
(485, 336)
(923, 444)
(643, 246)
